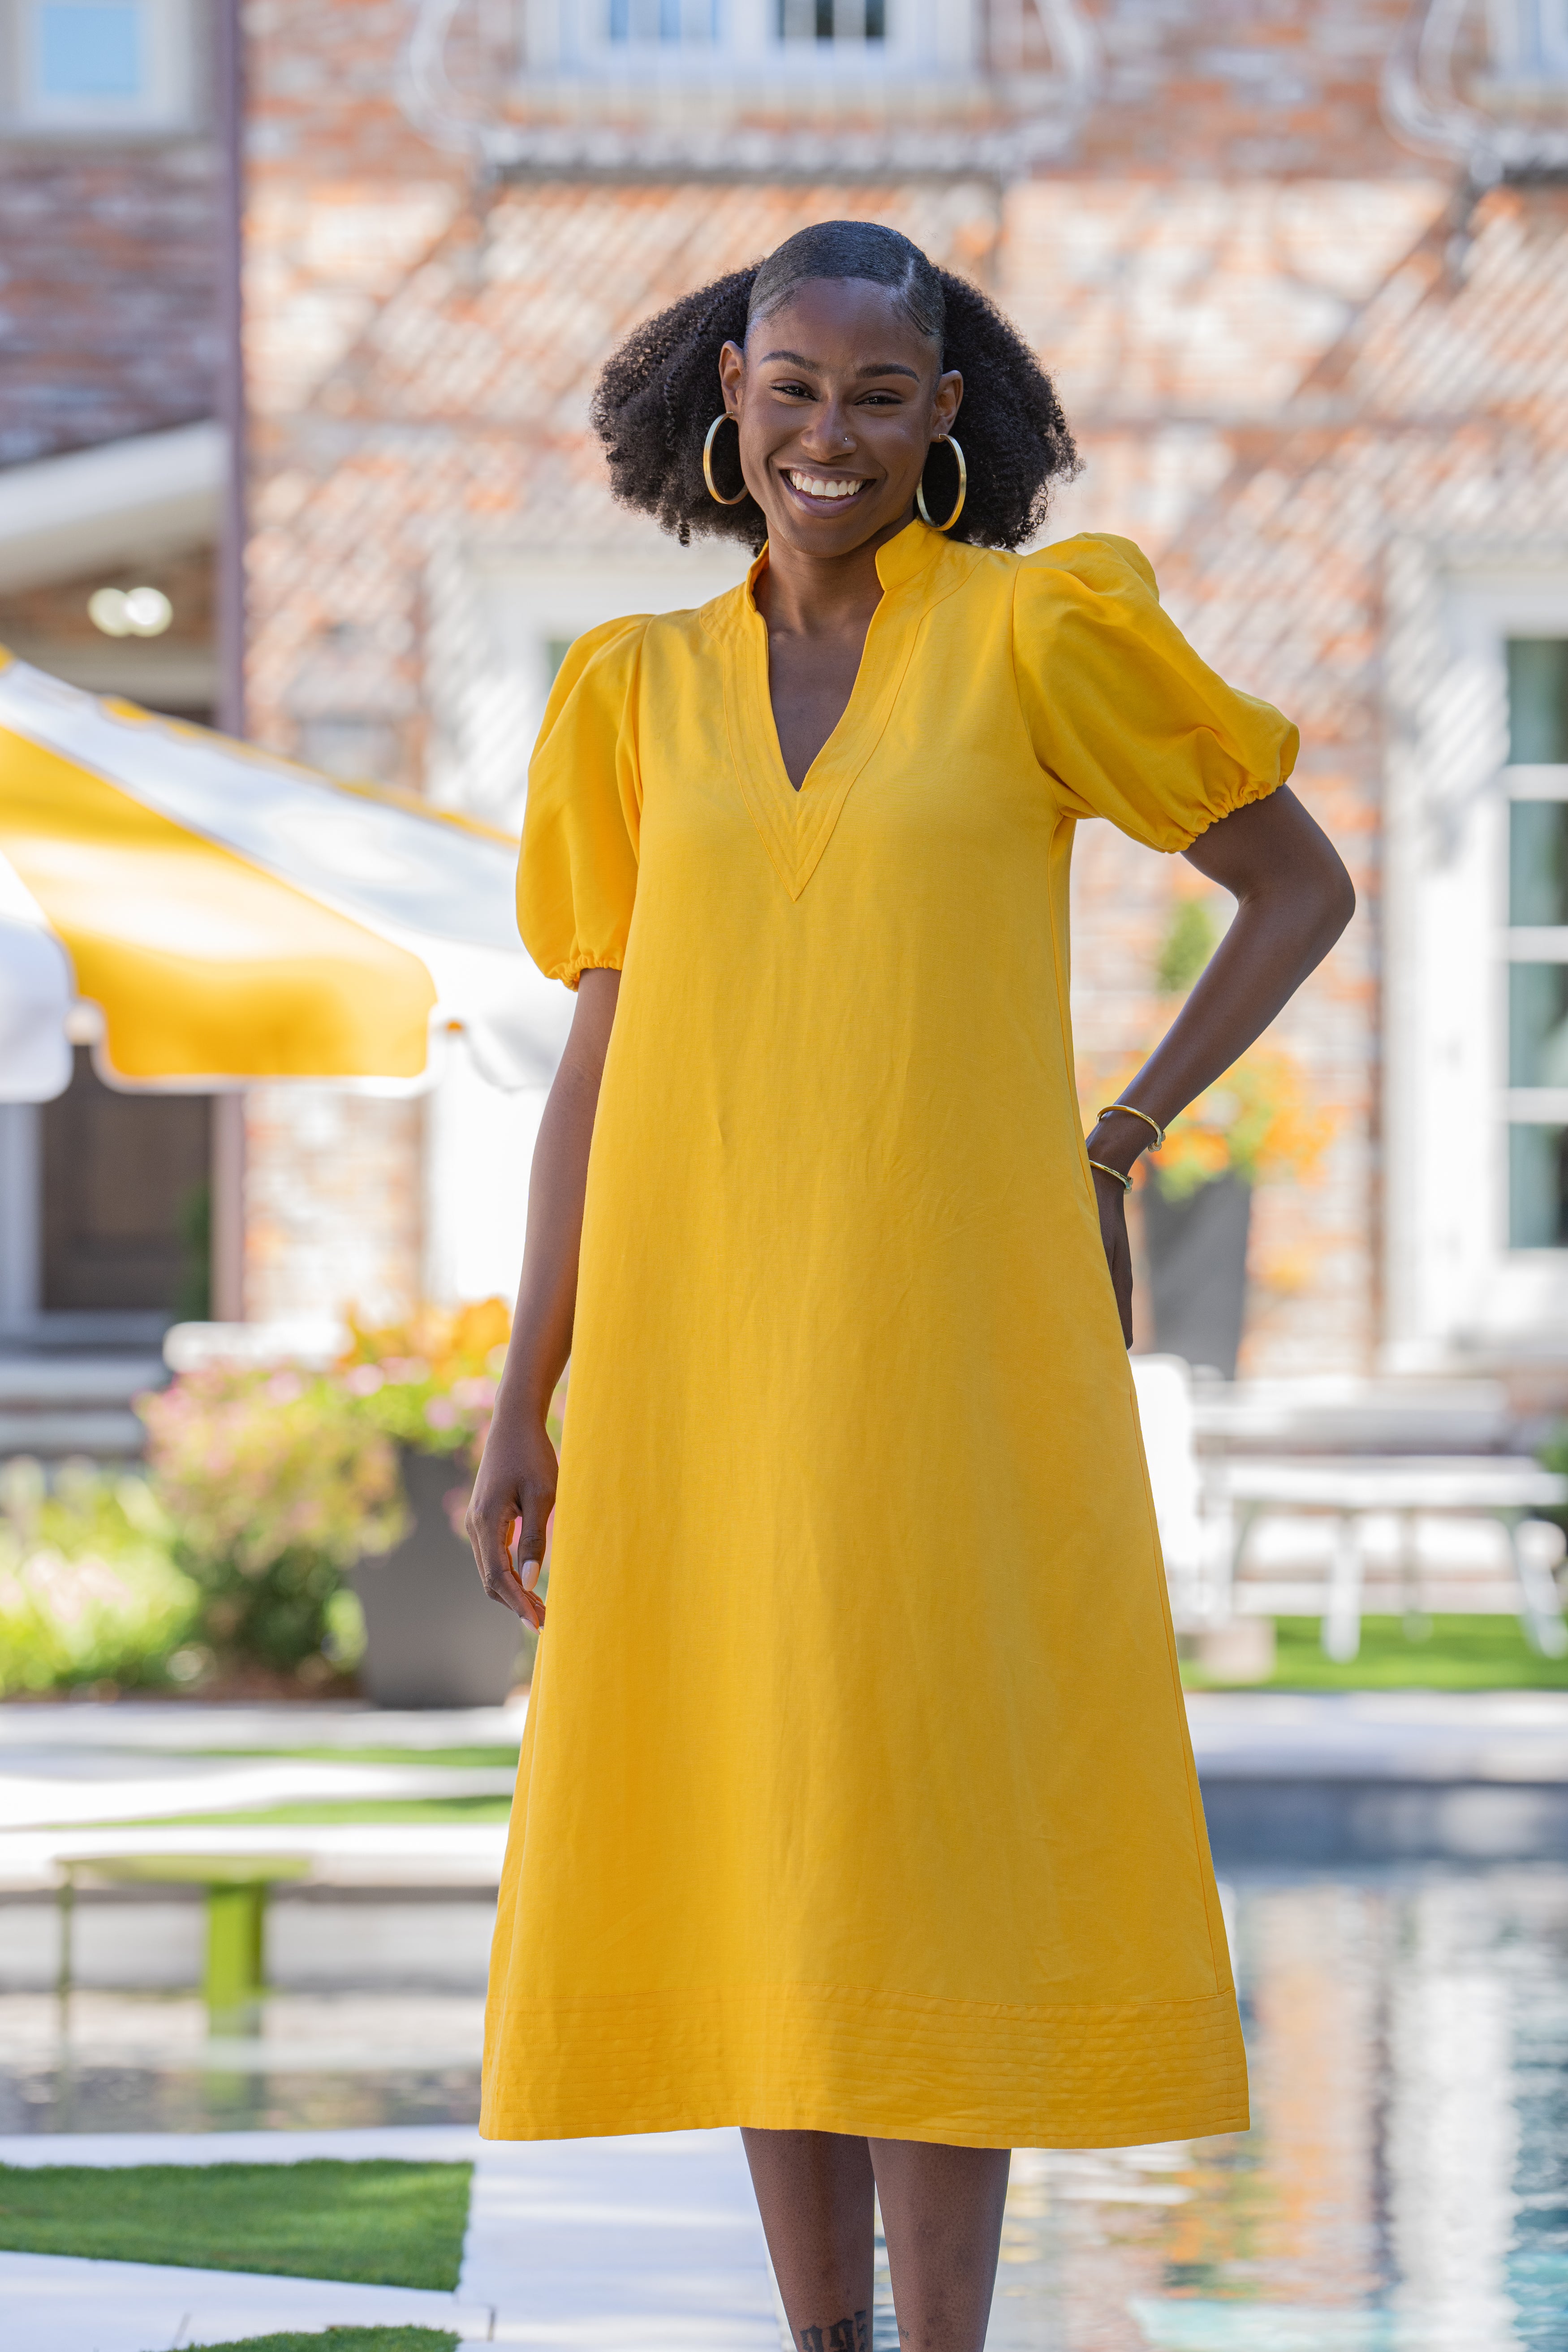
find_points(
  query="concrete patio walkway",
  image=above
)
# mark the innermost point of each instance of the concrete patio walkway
(617, 2245)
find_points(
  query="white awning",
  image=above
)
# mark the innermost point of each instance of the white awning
(236, 918)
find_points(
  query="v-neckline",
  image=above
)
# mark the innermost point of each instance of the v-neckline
(796, 823)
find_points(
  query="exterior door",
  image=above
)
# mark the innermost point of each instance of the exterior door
(126, 1201)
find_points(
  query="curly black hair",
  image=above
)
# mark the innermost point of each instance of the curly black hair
(659, 392)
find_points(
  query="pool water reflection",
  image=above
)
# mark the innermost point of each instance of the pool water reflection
(1405, 2186)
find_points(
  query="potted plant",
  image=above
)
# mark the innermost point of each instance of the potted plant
(433, 1637)
(273, 1483)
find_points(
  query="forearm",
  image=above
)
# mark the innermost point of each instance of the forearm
(547, 1293)
(1294, 899)
(1255, 969)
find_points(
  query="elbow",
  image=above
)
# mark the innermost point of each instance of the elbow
(1322, 915)
(1310, 908)
(1338, 907)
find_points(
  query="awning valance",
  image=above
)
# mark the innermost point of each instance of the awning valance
(236, 918)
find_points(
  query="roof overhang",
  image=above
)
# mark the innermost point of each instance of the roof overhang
(119, 503)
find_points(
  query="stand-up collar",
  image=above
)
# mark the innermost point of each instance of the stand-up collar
(898, 560)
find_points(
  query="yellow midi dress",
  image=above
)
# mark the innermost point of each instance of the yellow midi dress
(855, 1793)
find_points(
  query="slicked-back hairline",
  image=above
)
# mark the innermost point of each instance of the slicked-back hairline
(769, 308)
(840, 252)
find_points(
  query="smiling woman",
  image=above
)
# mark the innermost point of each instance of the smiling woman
(656, 400)
(856, 1804)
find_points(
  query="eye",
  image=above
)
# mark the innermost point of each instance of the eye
(882, 400)
(792, 390)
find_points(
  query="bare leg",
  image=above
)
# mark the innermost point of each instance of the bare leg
(815, 2193)
(941, 2215)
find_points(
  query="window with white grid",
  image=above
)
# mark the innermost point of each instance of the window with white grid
(1474, 970)
(705, 24)
(1530, 41)
(1537, 942)
(730, 40)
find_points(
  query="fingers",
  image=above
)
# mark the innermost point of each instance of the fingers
(1111, 1201)
(1121, 1277)
(493, 1527)
(489, 1537)
(530, 1560)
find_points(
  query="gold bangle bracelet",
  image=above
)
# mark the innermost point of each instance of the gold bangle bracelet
(1125, 1182)
(1135, 1111)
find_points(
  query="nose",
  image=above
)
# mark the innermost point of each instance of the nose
(829, 436)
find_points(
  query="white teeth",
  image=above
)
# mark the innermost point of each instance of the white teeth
(812, 487)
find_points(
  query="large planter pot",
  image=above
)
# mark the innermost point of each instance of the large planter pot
(1196, 1250)
(433, 1636)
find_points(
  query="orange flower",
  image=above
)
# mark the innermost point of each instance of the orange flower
(453, 1342)
(1255, 1122)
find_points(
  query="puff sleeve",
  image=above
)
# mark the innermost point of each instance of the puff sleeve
(577, 876)
(1121, 712)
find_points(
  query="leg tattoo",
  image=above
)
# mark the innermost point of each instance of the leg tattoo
(843, 2335)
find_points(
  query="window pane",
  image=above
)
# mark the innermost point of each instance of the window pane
(829, 20)
(1538, 701)
(93, 51)
(1538, 862)
(1538, 1187)
(1536, 38)
(675, 21)
(1538, 1025)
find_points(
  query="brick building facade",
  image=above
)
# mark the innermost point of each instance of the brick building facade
(110, 336)
(111, 472)
(107, 322)
(1308, 357)
(1300, 270)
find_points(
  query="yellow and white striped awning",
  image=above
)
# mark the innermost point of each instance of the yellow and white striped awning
(234, 918)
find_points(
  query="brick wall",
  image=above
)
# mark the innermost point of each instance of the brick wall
(107, 274)
(333, 1212)
(1225, 90)
(1277, 356)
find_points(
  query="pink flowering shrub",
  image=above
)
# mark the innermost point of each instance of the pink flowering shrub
(274, 1481)
(88, 1593)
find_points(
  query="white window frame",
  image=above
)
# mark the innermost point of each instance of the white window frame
(21, 1218)
(1456, 1292)
(494, 613)
(1529, 44)
(168, 102)
(569, 40)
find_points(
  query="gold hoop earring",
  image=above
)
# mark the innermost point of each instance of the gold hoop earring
(723, 417)
(963, 488)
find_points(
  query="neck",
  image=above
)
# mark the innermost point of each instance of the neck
(801, 595)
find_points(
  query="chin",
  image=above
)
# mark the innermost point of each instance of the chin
(828, 534)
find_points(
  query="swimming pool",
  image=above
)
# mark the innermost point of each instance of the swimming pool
(1405, 2186)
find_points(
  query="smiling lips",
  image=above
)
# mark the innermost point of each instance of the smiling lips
(818, 486)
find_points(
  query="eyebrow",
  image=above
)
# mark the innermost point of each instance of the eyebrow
(876, 367)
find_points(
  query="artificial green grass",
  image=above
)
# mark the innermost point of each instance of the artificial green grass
(1459, 1653)
(383, 2223)
(347, 2340)
(348, 1808)
(495, 1760)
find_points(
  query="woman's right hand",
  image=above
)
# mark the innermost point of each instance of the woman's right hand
(514, 1493)
(513, 1497)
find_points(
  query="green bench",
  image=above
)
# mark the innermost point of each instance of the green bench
(237, 1886)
